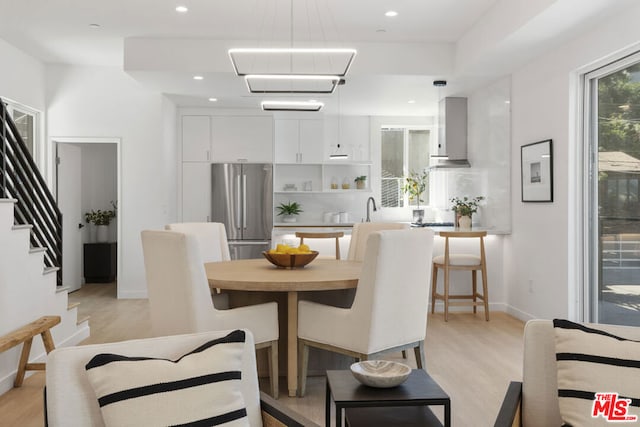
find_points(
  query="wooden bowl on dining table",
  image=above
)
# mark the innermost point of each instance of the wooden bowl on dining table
(290, 260)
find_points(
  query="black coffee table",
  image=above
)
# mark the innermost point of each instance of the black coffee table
(418, 390)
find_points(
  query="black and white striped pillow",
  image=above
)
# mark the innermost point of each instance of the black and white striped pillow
(593, 361)
(201, 388)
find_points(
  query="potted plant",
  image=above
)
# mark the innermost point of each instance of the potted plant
(464, 208)
(416, 184)
(289, 211)
(361, 182)
(101, 219)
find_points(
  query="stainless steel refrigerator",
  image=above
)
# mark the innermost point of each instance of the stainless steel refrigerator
(242, 199)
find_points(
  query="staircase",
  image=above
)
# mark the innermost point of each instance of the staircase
(27, 291)
(30, 253)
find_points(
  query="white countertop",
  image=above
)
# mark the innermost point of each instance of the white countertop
(436, 229)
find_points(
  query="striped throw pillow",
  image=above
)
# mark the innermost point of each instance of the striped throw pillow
(201, 388)
(598, 376)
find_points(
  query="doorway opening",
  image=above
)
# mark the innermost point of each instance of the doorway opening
(87, 179)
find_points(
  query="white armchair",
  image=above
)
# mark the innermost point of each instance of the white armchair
(180, 299)
(534, 402)
(389, 312)
(70, 399)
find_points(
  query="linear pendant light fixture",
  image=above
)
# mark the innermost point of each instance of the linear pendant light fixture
(292, 61)
(338, 154)
(292, 105)
(279, 83)
(292, 70)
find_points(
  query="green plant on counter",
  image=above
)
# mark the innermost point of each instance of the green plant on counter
(101, 217)
(291, 208)
(360, 178)
(416, 184)
(466, 206)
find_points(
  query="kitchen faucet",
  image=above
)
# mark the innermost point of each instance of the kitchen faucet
(370, 199)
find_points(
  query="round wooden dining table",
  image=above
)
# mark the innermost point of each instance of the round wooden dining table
(260, 275)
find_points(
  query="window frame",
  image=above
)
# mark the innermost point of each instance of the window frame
(405, 159)
(590, 230)
(37, 150)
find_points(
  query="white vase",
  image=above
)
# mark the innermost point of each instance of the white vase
(289, 218)
(102, 233)
(465, 222)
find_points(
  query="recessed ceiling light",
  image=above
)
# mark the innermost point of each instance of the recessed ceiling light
(381, 30)
(412, 101)
(182, 9)
(198, 78)
(94, 25)
(213, 99)
(391, 13)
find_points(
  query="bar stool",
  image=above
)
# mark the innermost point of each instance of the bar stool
(332, 235)
(449, 262)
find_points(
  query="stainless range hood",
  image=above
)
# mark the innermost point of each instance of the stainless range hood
(452, 134)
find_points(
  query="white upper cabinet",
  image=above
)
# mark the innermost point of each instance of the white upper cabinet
(299, 141)
(287, 137)
(196, 138)
(242, 138)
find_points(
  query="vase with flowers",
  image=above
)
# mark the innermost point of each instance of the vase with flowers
(464, 209)
(415, 185)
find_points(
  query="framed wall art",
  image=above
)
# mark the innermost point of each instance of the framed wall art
(537, 171)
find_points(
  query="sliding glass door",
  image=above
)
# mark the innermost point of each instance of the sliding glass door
(613, 136)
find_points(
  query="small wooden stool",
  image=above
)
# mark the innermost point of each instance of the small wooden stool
(335, 235)
(25, 335)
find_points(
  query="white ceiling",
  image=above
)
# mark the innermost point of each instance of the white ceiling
(397, 61)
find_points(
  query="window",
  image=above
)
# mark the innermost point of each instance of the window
(26, 120)
(612, 175)
(403, 150)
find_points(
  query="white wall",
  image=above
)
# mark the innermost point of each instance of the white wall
(542, 245)
(106, 102)
(21, 77)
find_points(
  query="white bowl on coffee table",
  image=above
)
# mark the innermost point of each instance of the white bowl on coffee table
(380, 373)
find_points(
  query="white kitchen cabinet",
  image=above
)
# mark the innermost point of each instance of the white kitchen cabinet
(196, 192)
(299, 140)
(287, 137)
(242, 138)
(196, 138)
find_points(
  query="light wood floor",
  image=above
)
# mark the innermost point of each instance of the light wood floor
(471, 359)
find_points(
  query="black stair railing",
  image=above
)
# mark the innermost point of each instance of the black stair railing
(20, 179)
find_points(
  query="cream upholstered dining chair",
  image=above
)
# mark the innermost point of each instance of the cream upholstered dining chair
(389, 312)
(212, 241)
(70, 399)
(361, 232)
(457, 261)
(211, 236)
(180, 300)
